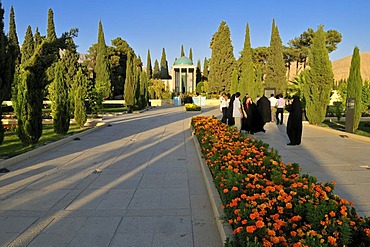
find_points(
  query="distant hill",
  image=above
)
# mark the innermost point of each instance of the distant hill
(341, 67)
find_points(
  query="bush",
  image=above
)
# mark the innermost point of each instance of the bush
(192, 107)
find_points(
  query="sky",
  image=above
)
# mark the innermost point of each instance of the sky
(169, 24)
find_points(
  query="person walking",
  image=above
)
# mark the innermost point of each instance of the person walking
(223, 108)
(237, 112)
(294, 125)
(263, 105)
(230, 118)
(273, 101)
(254, 120)
(280, 104)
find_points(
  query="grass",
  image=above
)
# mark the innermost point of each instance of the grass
(12, 146)
(363, 129)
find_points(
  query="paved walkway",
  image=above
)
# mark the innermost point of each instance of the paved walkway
(329, 155)
(147, 190)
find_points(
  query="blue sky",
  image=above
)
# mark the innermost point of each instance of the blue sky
(169, 24)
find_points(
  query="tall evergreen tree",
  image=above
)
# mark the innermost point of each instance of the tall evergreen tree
(182, 53)
(319, 81)
(276, 71)
(28, 45)
(191, 54)
(354, 86)
(37, 38)
(149, 69)
(51, 34)
(129, 93)
(164, 66)
(79, 98)
(199, 74)
(101, 69)
(156, 72)
(60, 105)
(222, 60)
(143, 98)
(235, 82)
(246, 83)
(13, 41)
(205, 70)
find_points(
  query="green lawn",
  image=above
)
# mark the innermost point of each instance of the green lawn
(12, 146)
(363, 129)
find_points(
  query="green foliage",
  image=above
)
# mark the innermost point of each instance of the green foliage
(366, 95)
(182, 53)
(51, 34)
(198, 75)
(156, 72)
(246, 82)
(191, 54)
(149, 70)
(222, 60)
(79, 98)
(205, 70)
(164, 66)
(354, 86)
(276, 70)
(60, 105)
(27, 49)
(130, 89)
(101, 69)
(143, 94)
(156, 89)
(37, 38)
(202, 87)
(319, 80)
(234, 82)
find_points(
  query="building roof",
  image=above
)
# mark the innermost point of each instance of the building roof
(183, 61)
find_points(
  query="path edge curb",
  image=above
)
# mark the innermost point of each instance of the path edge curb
(224, 228)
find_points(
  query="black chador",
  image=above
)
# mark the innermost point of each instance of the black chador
(264, 107)
(294, 126)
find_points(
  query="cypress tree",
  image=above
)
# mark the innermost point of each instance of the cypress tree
(199, 74)
(149, 70)
(164, 66)
(182, 53)
(101, 69)
(235, 82)
(129, 93)
(276, 71)
(319, 81)
(13, 41)
(51, 34)
(143, 90)
(58, 95)
(246, 84)
(37, 37)
(205, 70)
(354, 86)
(138, 65)
(222, 60)
(156, 72)
(79, 98)
(28, 45)
(191, 54)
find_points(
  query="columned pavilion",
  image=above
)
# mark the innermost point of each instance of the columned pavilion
(183, 74)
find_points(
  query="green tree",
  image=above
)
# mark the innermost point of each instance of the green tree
(354, 86)
(149, 69)
(276, 70)
(51, 34)
(60, 105)
(235, 82)
(182, 53)
(13, 41)
(205, 70)
(79, 98)
(156, 72)
(199, 74)
(366, 96)
(101, 69)
(191, 54)
(129, 93)
(27, 48)
(143, 90)
(246, 83)
(319, 80)
(222, 60)
(164, 66)
(38, 38)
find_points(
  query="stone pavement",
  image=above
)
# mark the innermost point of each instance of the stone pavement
(134, 182)
(329, 155)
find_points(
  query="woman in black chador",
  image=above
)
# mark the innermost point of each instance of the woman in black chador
(230, 118)
(253, 122)
(264, 106)
(294, 126)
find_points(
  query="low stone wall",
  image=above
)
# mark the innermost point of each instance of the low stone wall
(161, 102)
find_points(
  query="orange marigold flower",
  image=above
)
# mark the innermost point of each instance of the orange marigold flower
(250, 229)
(332, 214)
(244, 221)
(293, 233)
(296, 218)
(238, 230)
(260, 224)
(226, 190)
(275, 240)
(235, 188)
(288, 205)
(332, 240)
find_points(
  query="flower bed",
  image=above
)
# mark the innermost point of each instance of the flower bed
(192, 107)
(269, 203)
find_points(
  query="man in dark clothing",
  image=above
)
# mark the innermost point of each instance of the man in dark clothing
(263, 105)
(294, 125)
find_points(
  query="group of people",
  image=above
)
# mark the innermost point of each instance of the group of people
(251, 117)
